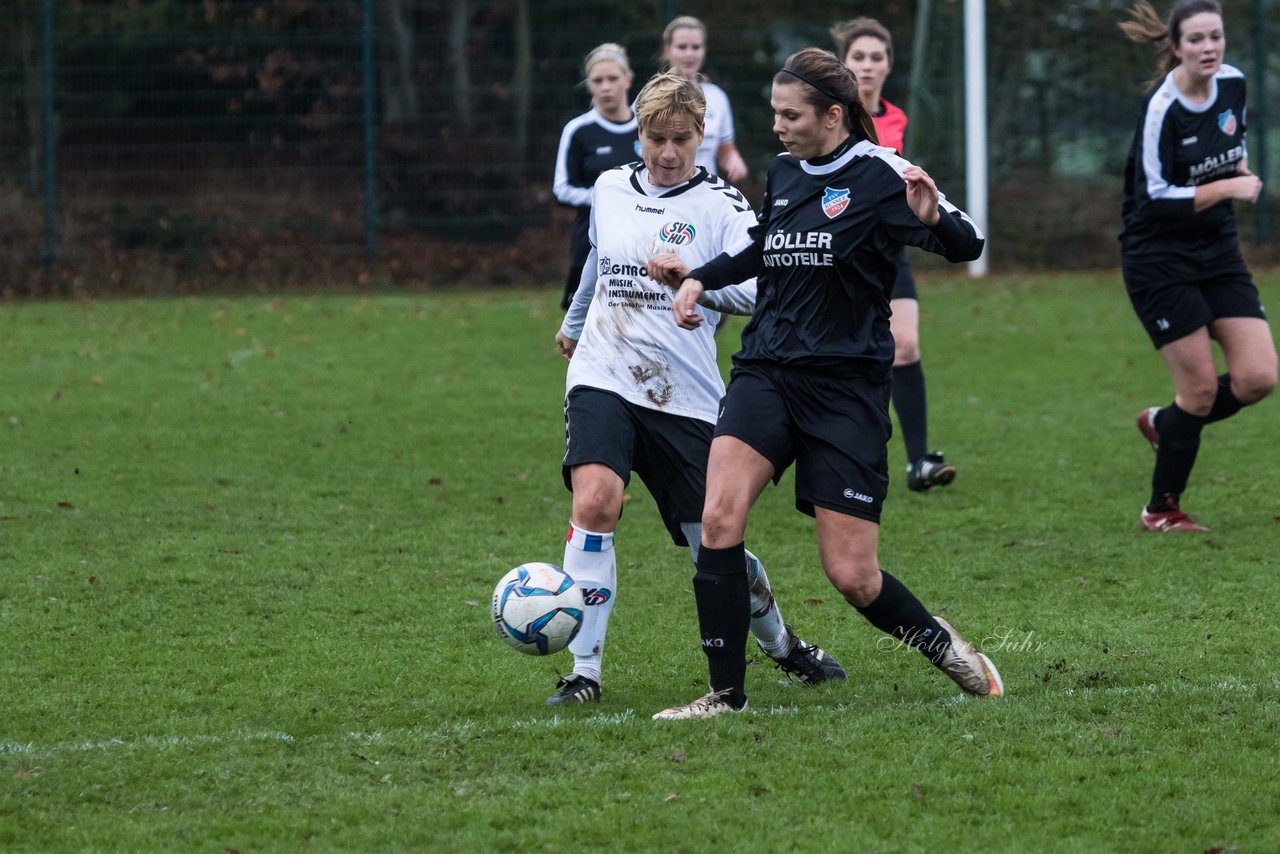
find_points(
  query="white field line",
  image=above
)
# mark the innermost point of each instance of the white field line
(626, 717)
(150, 742)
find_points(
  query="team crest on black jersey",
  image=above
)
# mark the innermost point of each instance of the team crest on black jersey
(1227, 123)
(678, 233)
(834, 201)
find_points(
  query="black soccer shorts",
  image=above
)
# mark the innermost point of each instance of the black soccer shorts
(1175, 297)
(835, 429)
(668, 452)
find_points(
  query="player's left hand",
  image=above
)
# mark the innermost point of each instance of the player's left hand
(667, 269)
(685, 306)
(922, 194)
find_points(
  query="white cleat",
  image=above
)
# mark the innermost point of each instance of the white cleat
(970, 669)
(715, 703)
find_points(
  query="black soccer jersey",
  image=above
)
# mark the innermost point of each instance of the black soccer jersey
(589, 145)
(826, 250)
(1179, 145)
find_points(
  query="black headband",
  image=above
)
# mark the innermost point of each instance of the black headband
(821, 89)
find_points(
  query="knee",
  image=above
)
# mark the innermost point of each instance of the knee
(596, 511)
(859, 585)
(906, 350)
(1197, 397)
(723, 524)
(1253, 385)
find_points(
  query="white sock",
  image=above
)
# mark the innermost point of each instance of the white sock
(590, 561)
(766, 619)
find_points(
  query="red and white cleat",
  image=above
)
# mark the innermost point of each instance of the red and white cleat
(1147, 426)
(1170, 520)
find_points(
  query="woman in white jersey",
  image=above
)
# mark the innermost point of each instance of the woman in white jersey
(684, 48)
(642, 393)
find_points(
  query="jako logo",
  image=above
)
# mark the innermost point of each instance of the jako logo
(857, 496)
(714, 643)
(678, 233)
(596, 595)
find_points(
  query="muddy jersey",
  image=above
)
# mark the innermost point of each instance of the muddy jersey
(1178, 146)
(826, 251)
(628, 341)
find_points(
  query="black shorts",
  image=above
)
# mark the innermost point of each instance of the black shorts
(835, 429)
(1175, 297)
(669, 452)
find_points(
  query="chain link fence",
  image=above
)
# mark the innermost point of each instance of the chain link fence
(174, 146)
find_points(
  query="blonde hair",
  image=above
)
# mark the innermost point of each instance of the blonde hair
(1145, 26)
(607, 52)
(850, 31)
(670, 95)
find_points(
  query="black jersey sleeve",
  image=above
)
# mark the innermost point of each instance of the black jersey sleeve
(954, 236)
(726, 269)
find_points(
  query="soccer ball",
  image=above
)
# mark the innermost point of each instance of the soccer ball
(537, 608)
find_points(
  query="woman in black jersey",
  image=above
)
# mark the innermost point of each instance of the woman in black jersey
(811, 383)
(601, 138)
(1182, 265)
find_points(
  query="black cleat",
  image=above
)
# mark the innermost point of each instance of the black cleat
(575, 689)
(929, 470)
(807, 663)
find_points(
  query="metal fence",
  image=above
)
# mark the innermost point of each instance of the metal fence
(173, 146)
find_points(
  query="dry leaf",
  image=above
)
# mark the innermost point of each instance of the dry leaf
(671, 797)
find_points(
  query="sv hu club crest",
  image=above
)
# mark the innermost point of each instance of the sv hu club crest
(678, 233)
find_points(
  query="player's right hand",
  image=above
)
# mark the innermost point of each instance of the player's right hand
(566, 345)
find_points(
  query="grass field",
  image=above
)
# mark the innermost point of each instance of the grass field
(247, 547)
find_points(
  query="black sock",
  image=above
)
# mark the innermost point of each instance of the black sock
(1179, 444)
(897, 612)
(1225, 404)
(724, 614)
(909, 403)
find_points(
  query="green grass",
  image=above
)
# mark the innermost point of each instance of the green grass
(247, 547)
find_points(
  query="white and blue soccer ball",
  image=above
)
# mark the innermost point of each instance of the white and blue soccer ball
(537, 608)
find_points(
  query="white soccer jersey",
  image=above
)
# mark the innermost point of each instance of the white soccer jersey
(718, 126)
(628, 341)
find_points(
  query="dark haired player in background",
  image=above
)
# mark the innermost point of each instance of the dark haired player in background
(1182, 264)
(811, 383)
(866, 48)
(601, 138)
